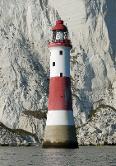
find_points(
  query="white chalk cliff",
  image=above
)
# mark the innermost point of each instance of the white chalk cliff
(24, 65)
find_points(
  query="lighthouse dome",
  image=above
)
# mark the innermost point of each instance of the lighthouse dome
(59, 26)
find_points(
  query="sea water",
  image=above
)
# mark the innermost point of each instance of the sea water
(36, 156)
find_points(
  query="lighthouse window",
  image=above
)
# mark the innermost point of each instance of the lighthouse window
(53, 63)
(61, 52)
(61, 74)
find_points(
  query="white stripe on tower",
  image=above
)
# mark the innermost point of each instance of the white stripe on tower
(60, 117)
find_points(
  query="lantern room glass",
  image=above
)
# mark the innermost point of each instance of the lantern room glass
(58, 36)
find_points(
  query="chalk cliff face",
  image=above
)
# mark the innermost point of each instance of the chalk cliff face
(24, 64)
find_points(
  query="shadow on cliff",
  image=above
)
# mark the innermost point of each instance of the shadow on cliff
(84, 99)
(110, 18)
(33, 60)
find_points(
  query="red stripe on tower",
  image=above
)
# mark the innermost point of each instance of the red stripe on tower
(60, 94)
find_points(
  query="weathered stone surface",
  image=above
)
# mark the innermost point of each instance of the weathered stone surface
(60, 136)
(16, 137)
(100, 128)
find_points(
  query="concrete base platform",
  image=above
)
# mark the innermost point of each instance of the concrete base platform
(60, 136)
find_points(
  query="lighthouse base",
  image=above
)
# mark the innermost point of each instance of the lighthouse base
(60, 136)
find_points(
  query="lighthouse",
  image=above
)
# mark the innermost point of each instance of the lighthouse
(60, 128)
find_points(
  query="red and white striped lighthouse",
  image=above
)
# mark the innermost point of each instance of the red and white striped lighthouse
(60, 128)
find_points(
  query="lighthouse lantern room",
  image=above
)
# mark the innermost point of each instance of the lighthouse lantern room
(60, 128)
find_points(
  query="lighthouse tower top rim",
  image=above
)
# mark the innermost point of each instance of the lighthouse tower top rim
(60, 36)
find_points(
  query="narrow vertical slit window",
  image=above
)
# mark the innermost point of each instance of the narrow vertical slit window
(61, 52)
(61, 74)
(53, 63)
